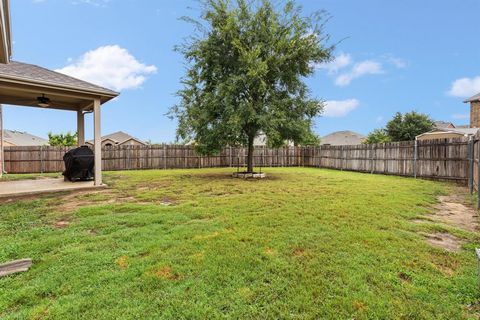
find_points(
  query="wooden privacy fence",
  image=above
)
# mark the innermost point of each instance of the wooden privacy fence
(453, 159)
(50, 159)
(434, 159)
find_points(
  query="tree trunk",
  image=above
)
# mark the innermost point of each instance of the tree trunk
(251, 149)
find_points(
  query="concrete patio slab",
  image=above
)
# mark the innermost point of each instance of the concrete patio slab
(41, 186)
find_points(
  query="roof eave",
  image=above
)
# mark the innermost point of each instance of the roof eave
(475, 98)
(106, 95)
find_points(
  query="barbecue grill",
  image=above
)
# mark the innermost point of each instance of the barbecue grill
(79, 164)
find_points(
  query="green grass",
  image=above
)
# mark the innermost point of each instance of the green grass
(303, 244)
(29, 176)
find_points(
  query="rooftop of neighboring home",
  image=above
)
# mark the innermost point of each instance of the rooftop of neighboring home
(119, 138)
(446, 133)
(22, 139)
(444, 124)
(342, 138)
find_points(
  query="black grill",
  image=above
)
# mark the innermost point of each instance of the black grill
(79, 164)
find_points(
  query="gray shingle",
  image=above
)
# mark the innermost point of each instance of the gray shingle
(342, 138)
(23, 139)
(118, 137)
(42, 75)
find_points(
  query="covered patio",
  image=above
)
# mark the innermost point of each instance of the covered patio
(23, 84)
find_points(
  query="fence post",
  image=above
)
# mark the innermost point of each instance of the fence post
(470, 164)
(415, 156)
(319, 156)
(41, 160)
(164, 156)
(372, 160)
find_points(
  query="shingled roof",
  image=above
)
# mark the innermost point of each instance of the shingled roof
(23, 139)
(342, 138)
(23, 71)
(118, 137)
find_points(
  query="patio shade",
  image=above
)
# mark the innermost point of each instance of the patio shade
(22, 83)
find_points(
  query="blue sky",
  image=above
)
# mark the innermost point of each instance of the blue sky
(392, 56)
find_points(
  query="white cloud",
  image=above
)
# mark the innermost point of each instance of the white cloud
(398, 62)
(465, 87)
(460, 116)
(360, 69)
(341, 61)
(96, 3)
(111, 67)
(339, 108)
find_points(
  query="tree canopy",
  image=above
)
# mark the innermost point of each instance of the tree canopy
(402, 127)
(377, 136)
(66, 140)
(245, 74)
(405, 127)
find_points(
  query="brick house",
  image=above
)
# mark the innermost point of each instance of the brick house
(474, 111)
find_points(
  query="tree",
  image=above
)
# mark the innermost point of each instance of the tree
(246, 67)
(406, 127)
(377, 136)
(65, 140)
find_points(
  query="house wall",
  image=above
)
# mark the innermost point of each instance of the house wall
(131, 142)
(436, 136)
(475, 114)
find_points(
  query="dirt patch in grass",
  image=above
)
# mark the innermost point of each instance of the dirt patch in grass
(443, 240)
(404, 277)
(166, 273)
(298, 252)
(77, 199)
(270, 252)
(455, 210)
(62, 224)
(122, 262)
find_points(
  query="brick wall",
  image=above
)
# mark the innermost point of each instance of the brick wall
(475, 114)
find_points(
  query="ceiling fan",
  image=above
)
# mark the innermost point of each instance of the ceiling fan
(42, 101)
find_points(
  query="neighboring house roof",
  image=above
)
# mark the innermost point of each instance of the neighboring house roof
(23, 139)
(474, 98)
(444, 124)
(342, 138)
(33, 73)
(460, 131)
(118, 137)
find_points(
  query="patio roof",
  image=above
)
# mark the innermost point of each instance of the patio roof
(22, 83)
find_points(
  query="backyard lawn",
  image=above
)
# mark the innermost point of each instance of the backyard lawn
(197, 244)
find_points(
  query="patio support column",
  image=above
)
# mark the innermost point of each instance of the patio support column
(97, 142)
(80, 128)
(2, 160)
